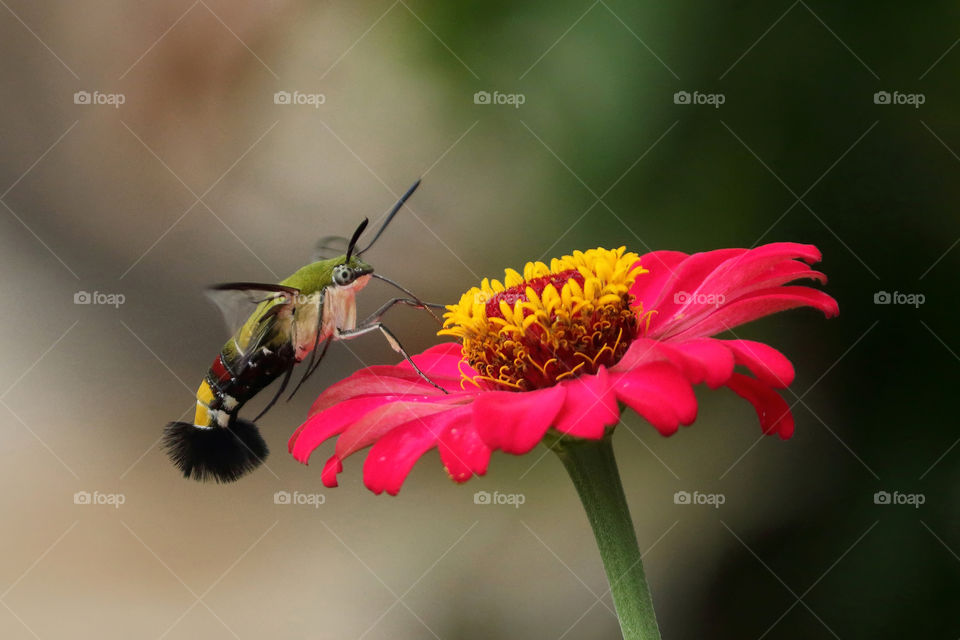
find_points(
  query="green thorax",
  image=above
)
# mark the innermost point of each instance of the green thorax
(314, 277)
(309, 280)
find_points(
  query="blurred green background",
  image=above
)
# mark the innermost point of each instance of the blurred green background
(200, 177)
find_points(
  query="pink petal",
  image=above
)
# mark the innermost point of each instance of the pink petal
(789, 271)
(462, 451)
(761, 268)
(684, 277)
(441, 360)
(363, 384)
(702, 360)
(756, 305)
(659, 393)
(376, 424)
(516, 421)
(392, 456)
(332, 467)
(641, 351)
(661, 266)
(774, 414)
(725, 276)
(590, 406)
(319, 427)
(790, 250)
(765, 362)
(442, 363)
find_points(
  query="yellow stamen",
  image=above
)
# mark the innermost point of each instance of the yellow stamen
(563, 320)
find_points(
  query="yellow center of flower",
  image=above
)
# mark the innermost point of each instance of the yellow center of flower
(550, 323)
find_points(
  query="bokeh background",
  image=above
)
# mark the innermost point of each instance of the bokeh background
(200, 177)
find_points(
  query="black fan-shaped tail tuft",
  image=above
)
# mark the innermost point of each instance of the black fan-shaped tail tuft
(220, 454)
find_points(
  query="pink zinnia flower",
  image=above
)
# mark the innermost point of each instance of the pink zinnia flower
(562, 346)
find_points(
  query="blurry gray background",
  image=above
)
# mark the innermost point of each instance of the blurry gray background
(200, 177)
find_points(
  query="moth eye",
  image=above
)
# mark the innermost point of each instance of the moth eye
(341, 276)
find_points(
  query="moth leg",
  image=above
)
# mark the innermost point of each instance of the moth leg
(280, 390)
(314, 360)
(313, 366)
(412, 302)
(420, 303)
(347, 334)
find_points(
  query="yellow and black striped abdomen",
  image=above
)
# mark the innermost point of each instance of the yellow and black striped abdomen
(234, 378)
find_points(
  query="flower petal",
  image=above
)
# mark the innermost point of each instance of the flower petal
(774, 414)
(516, 421)
(393, 456)
(442, 360)
(321, 426)
(374, 381)
(442, 363)
(704, 281)
(756, 305)
(769, 365)
(332, 467)
(462, 450)
(641, 351)
(685, 277)
(659, 393)
(589, 407)
(702, 360)
(661, 266)
(379, 422)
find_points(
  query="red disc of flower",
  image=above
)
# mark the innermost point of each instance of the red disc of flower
(563, 346)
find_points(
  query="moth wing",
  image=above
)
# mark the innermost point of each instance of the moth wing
(237, 301)
(330, 247)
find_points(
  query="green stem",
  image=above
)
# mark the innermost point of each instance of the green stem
(593, 469)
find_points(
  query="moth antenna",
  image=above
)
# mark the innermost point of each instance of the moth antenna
(392, 213)
(356, 236)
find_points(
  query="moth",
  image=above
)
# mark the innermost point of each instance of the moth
(299, 317)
